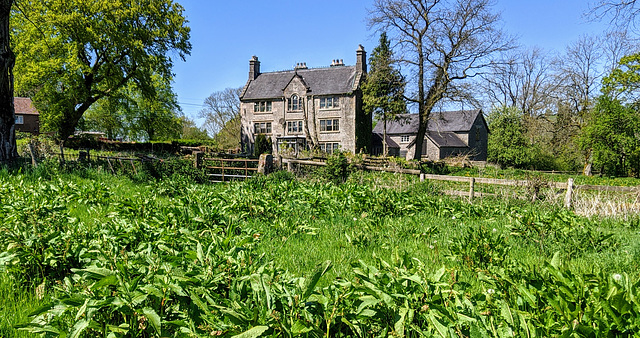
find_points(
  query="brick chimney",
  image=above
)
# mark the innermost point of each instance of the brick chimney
(254, 68)
(361, 60)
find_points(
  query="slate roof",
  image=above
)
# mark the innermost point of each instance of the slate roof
(321, 81)
(377, 141)
(446, 139)
(24, 106)
(446, 121)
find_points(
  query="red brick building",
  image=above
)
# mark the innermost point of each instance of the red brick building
(27, 117)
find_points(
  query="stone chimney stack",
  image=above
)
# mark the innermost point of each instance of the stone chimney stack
(361, 59)
(254, 68)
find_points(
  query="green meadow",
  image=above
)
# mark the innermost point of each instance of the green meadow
(84, 253)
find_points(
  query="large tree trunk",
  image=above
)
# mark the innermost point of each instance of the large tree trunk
(8, 149)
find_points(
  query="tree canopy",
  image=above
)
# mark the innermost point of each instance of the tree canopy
(383, 90)
(75, 52)
(445, 43)
(612, 137)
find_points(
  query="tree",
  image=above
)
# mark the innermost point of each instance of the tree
(190, 131)
(76, 52)
(445, 42)
(383, 90)
(622, 12)
(155, 117)
(508, 145)
(106, 116)
(8, 148)
(222, 117)
(612, 137)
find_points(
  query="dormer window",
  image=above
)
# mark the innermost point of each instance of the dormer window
(329, 102)
(295, 103)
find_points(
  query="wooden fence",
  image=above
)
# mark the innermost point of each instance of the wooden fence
(222, 169)
(569, 186)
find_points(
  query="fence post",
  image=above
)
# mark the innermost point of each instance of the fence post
(422, 177)
(567, 197)
(198, 161)
(472, 183)
(289, 166)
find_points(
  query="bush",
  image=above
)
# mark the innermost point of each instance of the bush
(262, 146)
(338, 168)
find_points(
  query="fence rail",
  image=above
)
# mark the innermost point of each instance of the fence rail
(228, 168)
(569, 186)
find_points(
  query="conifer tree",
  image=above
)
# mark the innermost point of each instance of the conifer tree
(383, 91)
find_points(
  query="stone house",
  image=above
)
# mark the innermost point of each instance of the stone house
(450, 133)
(304, 107)
(27, 117)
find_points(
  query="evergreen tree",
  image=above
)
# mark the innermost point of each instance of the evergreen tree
(383, 91)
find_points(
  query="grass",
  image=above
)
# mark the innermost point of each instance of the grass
(298, 224)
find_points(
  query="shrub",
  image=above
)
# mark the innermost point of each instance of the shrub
(262, 146)
(338, 168)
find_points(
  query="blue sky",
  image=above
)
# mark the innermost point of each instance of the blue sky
(225, 34)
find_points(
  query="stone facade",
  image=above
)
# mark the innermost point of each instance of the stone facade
(306, 107)
(449, 134)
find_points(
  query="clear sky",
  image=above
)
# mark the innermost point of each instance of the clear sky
(225, 34)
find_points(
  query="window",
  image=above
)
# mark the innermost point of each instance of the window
(262, 128)
(19, 119)
(404, 139)
(330, 125)
(263, 106)
(329, 147)
(329, 102)
(477, 133)
(294, 127)
(295, 103)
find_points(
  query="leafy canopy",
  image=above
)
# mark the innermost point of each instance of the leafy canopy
(75, 52)
(612, 137)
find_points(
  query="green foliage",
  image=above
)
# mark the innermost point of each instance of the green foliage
(338, 167)
(611, 136)
(173, 258)
(74, 53)
(383, 90)
(262, 145)
(507, 144)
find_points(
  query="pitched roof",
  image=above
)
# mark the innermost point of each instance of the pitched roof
(376, 140)
(446, 121)
(24, 106)
(321, 81)
(446, 139)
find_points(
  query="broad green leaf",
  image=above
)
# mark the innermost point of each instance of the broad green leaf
(440, 329)
(108, 280)
(154, 319)
(253, 332)
(320, 271)
(399, 321)
(78, 328)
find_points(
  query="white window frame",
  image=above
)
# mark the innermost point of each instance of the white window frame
(405, 139)
(19, 119)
